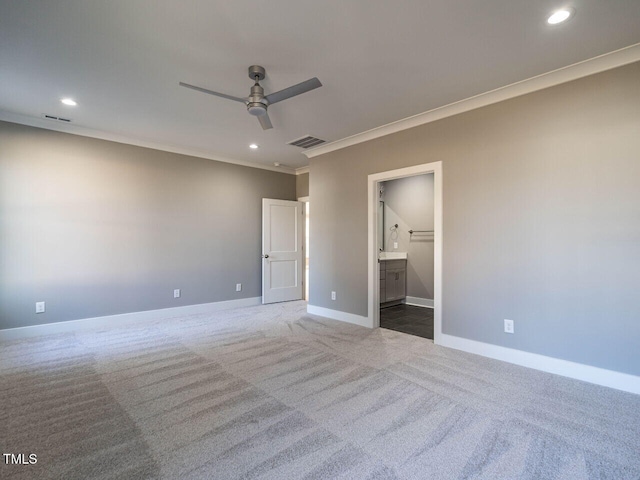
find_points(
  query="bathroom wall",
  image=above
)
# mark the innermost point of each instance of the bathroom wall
(408, 202)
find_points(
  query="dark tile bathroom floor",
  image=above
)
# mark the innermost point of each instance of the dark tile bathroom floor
(408, 319)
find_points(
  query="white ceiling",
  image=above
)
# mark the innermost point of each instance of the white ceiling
(379, 61)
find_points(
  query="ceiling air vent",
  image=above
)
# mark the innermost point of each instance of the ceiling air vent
(53, 117)
(306, 142)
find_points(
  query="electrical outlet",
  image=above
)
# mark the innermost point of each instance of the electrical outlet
(176, 293)
(395, 244)
(238, 287)
(508, 326)
(39, 307)
(333, 295)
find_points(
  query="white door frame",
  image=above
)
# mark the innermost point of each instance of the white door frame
(373, 312)
(305, 242)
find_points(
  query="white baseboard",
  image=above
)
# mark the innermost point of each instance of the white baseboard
(578, 371)
(123, 319)
(419, 302)
(341, 316)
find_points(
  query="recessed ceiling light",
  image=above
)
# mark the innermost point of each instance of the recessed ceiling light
(560, 16)
(253, 146)
(69, 101)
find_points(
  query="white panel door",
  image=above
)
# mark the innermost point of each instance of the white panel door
(282, 250)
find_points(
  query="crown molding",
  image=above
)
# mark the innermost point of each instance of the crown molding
(302, 170)
(118, 138)
(598, 64)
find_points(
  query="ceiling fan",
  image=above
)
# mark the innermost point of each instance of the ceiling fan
(257, 102)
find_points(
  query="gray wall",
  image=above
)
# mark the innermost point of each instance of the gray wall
(302, 185)
(97, 228)
(408, 202)
(541, 219)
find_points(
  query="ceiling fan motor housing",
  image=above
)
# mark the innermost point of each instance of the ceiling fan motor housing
(257, 104)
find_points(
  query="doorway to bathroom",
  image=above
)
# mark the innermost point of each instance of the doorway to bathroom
(405, 249)
(406, 243)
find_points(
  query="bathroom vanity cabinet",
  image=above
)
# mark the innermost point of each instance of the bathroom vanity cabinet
(393, 280)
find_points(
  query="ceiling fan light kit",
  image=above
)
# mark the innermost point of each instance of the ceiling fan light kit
(257, 102)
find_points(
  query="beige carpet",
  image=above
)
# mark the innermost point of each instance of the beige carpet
(270, 392)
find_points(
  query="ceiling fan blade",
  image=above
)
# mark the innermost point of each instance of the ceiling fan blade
(211, 92)
(265, 121)
(298, 89)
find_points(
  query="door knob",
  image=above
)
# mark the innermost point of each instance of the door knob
(265, 256)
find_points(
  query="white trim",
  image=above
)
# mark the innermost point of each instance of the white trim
(419, 302)
(337, 315)
(73, 129)
(302, 170)
(578, 371)
(569, 73)
(110, 321)
(303, 199)
(373, 309)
